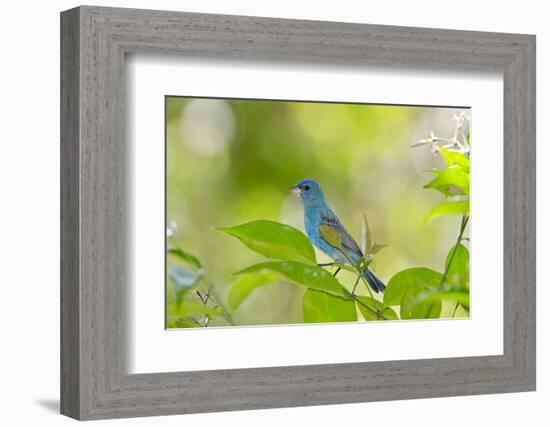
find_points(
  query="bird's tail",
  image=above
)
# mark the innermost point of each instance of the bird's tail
(374, 282)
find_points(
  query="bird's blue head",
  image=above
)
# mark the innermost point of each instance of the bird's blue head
(309, 193)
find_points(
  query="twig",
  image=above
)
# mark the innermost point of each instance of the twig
(375, 312)
(355, 286)
(193, 320)
(359, 273)
(360, 277)
(225, 312)
(454, 311)
(203, 300)
(457, 142)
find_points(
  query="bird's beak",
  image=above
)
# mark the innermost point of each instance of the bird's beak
(296, 190)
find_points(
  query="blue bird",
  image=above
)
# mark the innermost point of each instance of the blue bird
(317, 214)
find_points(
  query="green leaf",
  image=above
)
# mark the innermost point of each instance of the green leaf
(449, 208)
(451, 181)
(458, 272)
(185, 256)
(244, 285)
(274, 240)
(319, 306)
(367, 245)
(456, 294)
(419, 278)
(377, 247)
(427, 304)
(366, 237)
(183, 279)
(375, 306)
(454, 158)
(418, 292)
(417, 305)
(306, 275)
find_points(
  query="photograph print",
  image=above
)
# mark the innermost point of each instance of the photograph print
(293, 212)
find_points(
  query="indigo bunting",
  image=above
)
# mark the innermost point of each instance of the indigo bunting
(318, 217)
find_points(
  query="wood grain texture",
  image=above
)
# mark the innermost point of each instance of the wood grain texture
(70, 292)
(94, 382)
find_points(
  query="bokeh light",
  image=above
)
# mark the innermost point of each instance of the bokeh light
(207, 125)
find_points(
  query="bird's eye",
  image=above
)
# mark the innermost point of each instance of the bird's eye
(306, 187)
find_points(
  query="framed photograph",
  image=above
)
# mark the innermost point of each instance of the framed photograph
(286, 213)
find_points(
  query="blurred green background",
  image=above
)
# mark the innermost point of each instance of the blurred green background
(233, 161)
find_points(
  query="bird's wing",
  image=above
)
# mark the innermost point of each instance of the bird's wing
(329, 219)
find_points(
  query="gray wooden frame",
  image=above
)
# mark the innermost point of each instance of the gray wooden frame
(94, 41)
